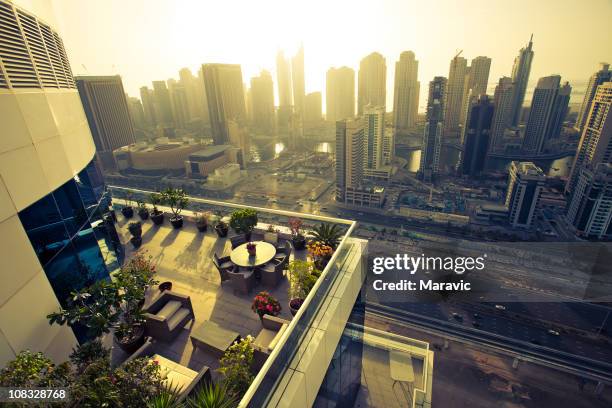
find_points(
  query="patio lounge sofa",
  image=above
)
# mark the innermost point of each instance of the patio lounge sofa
(173, 373)
(167, 315)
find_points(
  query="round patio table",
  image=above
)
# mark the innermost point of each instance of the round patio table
(264, 252)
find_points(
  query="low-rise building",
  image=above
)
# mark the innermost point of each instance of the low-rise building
(225, 176)
(204, 162)
(165, 156)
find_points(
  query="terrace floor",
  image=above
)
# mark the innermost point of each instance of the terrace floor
(184, 257)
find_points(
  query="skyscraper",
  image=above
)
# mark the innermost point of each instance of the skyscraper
(47, 179)
(476, 137)
(313, 110)
(590, 206)
(297, 80)
(598, 78)
(285, 94)
(340, 94)
(195, 101)
(455, 94)
(503, 97)
(406, 92)
(162, 99)
(479, 75)
(350, 142)
(372, 89)
(547, 112)
(105, 106)
(374, 122)
(225, 97)
(520, 77)
(595, 144)
(148, 106)
(262, 102)
(136, 112)
(179, 102)
(432, 136)
(525, 184)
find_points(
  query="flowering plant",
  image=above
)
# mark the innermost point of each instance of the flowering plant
(318, 249)
(235, 365)
(264, 303)
(295, 224)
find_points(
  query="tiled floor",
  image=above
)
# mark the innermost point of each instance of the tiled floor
(184, 257)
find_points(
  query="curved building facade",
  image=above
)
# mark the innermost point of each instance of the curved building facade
(52, 236)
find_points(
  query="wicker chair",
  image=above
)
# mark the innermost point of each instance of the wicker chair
(242, 282)
(238, 240)
(167, 315)
(272, 273)
(267, 339)
(223, 267)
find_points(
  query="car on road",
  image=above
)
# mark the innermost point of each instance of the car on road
(535, 341)
(457, 316)
(500, 307)
(553, 332)
(476, 324)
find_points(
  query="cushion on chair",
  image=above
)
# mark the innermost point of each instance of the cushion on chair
(277, 337)
(169, 309)
(174, 374)
(178, 317)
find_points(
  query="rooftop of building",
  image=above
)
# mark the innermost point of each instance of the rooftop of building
(209, 152)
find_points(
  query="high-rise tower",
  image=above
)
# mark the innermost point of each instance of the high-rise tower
(502, 99)
(547, 112)
(477, 136)
(262, 102)
(297, 80)
(432, 136)
(372, 89)
(225, 97)
(405, 92)
(598, 78)
(108, 115)
(340, 94)
(520, 77)
(455, 94)
(595, 144)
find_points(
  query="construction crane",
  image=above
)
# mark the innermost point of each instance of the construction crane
(458, 54)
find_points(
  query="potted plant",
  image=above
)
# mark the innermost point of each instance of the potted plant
(212, 395)
(243, 221)
(135, 229)
(143, 211)
(251, 248)
(265, 304)
(271, 235)
(156, 216)
(201, 220)
(328, 234)
(235, 366)
(165, 286)
(300, 283)
(115, 304)
(320, 253)
(128, 210)
(221, 227)
(177, 199)
(297, 239)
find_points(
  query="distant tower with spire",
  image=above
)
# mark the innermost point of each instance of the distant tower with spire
(520, 77)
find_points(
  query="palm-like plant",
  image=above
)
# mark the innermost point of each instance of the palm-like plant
(213, 396)
(166, 398)
(328, 234)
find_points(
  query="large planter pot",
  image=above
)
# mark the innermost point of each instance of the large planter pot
(143, 214)
(136, 242)
(177, 222)
(157, 218)
(221, 230)
(165, 286)
(294, 305)
(299, 242)
(128, 212)
(202, 227)
(134, 343)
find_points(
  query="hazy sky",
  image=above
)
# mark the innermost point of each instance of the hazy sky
(146, 40)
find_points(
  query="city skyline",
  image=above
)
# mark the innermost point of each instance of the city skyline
(141, 60)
